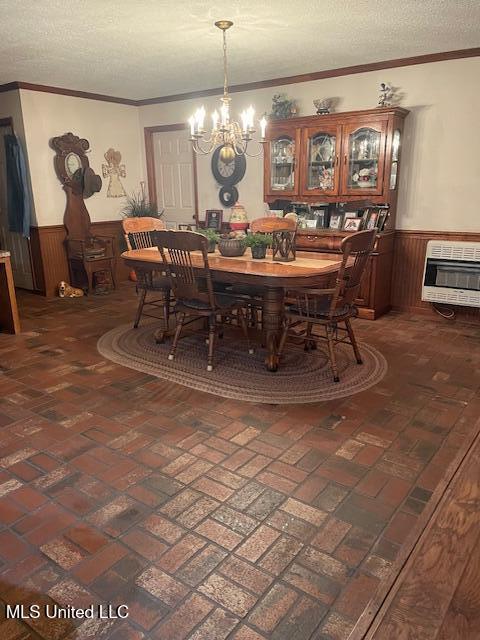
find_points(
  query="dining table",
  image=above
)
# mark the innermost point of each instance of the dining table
(271, 278)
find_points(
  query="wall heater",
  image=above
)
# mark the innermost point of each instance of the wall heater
(452, 273)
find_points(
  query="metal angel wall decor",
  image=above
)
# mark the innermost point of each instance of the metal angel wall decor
(114, 170)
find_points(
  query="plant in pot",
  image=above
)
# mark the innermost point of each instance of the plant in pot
(212, 236)
(138, 206)
(258, 243)
(232, 245)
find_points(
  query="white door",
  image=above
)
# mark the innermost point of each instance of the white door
(172, 154)
(18, 246)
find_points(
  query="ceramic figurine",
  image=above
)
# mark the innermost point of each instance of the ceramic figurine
(386, 95)
(322, 106)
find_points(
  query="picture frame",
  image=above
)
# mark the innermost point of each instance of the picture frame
(350, 214)
(382, 220)
(213, 219)
(352, 224)
(311, 224)
(364, 218)
(321, 219)
(372, 220)
(336, 220)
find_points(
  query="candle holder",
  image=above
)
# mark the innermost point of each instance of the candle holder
(283, 246)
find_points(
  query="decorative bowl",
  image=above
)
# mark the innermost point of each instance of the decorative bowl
(230, 248)
(239, 226)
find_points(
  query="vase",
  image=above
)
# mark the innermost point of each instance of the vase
(231, 248)
(211, 246)
(259, 251)
(238, 218)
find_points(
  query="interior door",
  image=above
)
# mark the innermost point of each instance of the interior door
(18, 246)
(174, 176)
(281, 162)
(363, 158)
(321, 149)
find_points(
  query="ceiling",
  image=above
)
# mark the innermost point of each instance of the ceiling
(147, 48)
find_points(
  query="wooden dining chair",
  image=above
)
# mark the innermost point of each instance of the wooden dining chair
(328, 308)
(253, 295)
(271, 224)
(138, 235)
(192, 284)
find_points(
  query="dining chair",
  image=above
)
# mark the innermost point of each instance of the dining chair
(138, 235)
(251, 293)
(271, 224)
(185, 258)
(328, 308)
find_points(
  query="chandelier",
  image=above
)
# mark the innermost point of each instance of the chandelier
(233, 137)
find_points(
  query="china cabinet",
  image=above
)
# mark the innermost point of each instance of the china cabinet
(351, 158)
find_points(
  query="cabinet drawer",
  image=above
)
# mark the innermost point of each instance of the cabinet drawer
(318, 242)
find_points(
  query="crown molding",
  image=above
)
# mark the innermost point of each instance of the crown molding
(11, 86)
(251, 86)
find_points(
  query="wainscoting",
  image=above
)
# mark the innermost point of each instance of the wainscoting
(407, 274)
(49, 258)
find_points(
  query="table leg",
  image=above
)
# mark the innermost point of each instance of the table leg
(273, 304)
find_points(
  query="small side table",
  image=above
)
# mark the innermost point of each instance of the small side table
(9, 320)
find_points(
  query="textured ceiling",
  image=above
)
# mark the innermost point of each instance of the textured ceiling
(147, 48)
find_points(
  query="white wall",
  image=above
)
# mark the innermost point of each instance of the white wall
(441, 148)
(103, 124)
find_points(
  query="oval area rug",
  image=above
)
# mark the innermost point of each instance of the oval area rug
(301, 378)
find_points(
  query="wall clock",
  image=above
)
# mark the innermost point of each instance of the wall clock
(228, 195)
(228, 173)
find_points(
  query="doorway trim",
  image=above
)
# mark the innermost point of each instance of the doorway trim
(150, 161)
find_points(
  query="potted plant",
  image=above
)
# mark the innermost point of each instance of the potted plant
(138, 206)
(258, 243)
(231, 245)
(212, 236)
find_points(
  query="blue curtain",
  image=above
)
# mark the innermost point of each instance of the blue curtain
(19, 204)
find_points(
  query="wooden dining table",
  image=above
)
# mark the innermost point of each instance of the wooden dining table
(270, 277)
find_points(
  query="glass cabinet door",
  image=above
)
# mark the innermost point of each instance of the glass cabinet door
(364, 158)
(282, 164)
(320, 168)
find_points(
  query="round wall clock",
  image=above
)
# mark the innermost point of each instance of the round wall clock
(228, 195)
(228, 172)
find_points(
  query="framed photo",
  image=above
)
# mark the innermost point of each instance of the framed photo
(336, 220)
(213, 219)
(352, 224)
(311, 224)
(365, 217)
(382, 220)
(372, 220)
(321, 218)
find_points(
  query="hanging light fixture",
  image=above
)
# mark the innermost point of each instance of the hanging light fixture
(233, 137)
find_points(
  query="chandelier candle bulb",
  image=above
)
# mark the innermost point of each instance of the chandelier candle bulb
(263, 127)
(215, 117)
(191, 122)
(244, 118)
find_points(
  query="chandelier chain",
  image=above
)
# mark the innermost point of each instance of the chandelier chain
(225, 78)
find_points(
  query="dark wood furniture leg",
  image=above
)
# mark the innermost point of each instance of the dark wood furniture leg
(273, 305)
(9, 320)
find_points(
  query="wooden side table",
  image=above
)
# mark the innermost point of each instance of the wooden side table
(9, 320)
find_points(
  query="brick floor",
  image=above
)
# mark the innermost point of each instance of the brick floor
(213, 519)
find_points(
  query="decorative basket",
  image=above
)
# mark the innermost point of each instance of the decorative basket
(230, 248)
